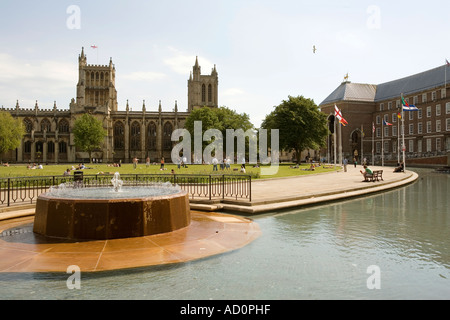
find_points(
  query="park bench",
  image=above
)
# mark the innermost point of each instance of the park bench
(376, 175)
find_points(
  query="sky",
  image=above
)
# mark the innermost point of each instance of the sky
(262, 49)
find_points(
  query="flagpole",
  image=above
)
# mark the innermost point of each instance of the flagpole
(362, 142)
(382, 143)
(340, 143)
(373, 144)
(403, 138)
(334, 143)
(398, 142)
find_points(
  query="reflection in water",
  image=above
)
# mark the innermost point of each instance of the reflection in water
(318, 253)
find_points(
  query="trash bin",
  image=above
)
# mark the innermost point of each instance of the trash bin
(78, 178)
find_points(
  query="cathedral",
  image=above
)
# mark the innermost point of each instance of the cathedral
(130, 134)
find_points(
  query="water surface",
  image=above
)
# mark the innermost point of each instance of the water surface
(317, 253)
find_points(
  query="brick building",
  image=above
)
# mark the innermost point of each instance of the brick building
(364, 106)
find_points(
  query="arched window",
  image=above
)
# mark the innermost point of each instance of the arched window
(203, 93)
(167, 136)
(151, 136)
(28, 125)
(119, 136)
(209, 93)
(27, 147)
(45, 125)
(63, 126)
(51, 147)
(135, 143)
(62, 147)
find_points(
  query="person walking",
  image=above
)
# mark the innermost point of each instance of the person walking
(345, 164)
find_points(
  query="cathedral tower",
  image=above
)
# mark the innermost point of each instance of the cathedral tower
(96, 90)
(202, 89)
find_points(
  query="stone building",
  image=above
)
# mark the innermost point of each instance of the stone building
(141, 134)
(365, 106)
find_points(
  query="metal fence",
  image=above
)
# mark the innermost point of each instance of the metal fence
(209, 187)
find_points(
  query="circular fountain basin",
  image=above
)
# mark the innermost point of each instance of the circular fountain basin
(102, 213)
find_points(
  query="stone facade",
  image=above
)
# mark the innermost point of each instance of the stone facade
(141, 134)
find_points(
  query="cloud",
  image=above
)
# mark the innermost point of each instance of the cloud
(182, 63)
(232, 92)
(31, 80)
(144, 76)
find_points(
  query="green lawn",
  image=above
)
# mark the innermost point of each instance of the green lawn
(285, 170)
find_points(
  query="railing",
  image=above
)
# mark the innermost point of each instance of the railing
(209, 187)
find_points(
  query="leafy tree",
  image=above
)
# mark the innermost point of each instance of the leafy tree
(11, 132)
(221, 119)
(88, 133)
(301, 125)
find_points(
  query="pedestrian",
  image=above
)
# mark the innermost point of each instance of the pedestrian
(147, 162)
(345, 164)
(214, 162)
(355, 162)
(162, 164)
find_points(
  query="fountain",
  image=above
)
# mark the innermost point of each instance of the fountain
(100, 213)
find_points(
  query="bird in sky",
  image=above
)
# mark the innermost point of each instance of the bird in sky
(314, 49)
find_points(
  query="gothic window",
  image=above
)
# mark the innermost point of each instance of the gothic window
(27, 147)
(135, 144)
(28, 125)
(62, 147)
(151, 136)
(167, 136)
(39, 147)
(45, 125)
(209, 93)
(203, 93)
(51, 147)
(119, 136)
(63, 126)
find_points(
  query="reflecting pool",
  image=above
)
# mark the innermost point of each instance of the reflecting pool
(325, 252)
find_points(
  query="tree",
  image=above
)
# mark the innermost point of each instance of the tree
(11, 132)
(301, 125)
(88, 133)
(221, 119)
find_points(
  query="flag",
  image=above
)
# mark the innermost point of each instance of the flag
(407, 107)
(94, 47)
(339, 116)
(399, 115)
(448, 63)
(373, 127)
(386, 123)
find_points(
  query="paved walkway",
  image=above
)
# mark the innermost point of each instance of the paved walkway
(283, 193)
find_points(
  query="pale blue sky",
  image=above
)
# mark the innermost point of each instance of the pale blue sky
(262, 49)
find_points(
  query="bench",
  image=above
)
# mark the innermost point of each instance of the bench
(376, 175)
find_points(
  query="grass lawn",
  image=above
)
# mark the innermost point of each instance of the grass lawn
(285, 170)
